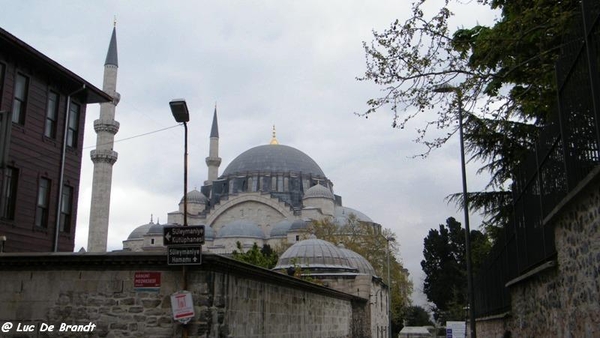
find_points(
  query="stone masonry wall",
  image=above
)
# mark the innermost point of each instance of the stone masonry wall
(231, 299)
(562, 301)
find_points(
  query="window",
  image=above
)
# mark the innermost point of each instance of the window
(72, 131)
(65, 209)
(11, 178)
(43, 201)
(51, 115)
(5, 128)
(2, 67)
(20, 100)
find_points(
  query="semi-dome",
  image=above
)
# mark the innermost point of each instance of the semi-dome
(195, 197)
(299, 225)
(281, 228)
(273, 158)
(156, 229)
(357, 261)
(341, 215)
(209, 233)
(139, 232)
(241, 228)
(318, 191)
(315, 254)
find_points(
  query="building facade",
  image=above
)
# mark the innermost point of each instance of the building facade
(42, 116)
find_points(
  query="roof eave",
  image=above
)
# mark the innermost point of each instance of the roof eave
(91, 94)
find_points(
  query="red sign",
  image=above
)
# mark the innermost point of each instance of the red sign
(145, 279)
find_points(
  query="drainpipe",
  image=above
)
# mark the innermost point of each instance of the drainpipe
(61, 176)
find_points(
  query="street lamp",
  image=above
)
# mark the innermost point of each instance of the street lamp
(446, 88)
(182, 115)
(389, 308)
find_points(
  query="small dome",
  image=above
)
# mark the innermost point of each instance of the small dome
(299, 225)
(139, 232)
(341, 215)
(195, 197)
(318, 191)
(281, 228)
(241, 228)
(315, 254)
(357, 261)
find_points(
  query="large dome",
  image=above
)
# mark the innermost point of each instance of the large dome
(273, 158)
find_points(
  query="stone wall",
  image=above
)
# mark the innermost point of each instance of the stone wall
(563, 299)
(231, 299)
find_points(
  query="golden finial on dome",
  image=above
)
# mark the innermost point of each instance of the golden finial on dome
(274, 139)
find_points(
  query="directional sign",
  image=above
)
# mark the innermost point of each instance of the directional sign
(183, 235)
(184, 255)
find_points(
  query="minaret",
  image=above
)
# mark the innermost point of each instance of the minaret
(104, 157)
(213, 160)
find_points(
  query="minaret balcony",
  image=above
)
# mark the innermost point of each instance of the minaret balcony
(213, 161)
(105, 156)
(110, 126)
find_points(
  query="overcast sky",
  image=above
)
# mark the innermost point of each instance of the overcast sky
(292, 64)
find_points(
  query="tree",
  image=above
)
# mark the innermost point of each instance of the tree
(505, 73)
(265, 257)
(371, 243)
(417, 316)
(445, 268)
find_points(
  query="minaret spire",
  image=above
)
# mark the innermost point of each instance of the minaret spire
(104, 157)
(213, 161)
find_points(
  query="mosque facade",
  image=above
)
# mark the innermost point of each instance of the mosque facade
(267, 195)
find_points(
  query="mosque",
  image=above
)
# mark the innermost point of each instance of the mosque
(268, 194)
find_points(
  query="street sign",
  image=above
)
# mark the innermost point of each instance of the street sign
(183, 235)
(183, 306)
(184, 255)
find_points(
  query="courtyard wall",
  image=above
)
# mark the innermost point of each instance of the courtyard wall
(230, 299)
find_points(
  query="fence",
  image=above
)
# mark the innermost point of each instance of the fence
(566, 151)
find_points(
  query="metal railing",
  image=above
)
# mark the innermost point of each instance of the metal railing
(567, 150)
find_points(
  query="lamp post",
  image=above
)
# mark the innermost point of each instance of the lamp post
(451, 89)
(389, 308)
(182, 115)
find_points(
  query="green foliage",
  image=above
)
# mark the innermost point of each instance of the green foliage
(445, 267)
(265, 257)
(417, 316)
(504, 74)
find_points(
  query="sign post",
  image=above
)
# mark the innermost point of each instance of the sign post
(184, 244)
